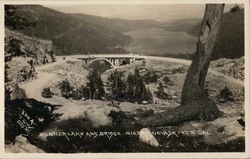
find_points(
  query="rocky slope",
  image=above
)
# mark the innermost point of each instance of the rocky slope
(21, 54)
(21, 145)
(231, 67)
(74, 71)
(40, 50)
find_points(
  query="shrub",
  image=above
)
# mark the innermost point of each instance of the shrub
(226, 94)
(235, 8)
(151, 77)
(66, 89)
(167, 81)
(161, 93)
(46, 93)
(13, 47)
(36, 114)
(120, 119)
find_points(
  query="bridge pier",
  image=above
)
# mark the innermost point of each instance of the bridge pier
(131, 60)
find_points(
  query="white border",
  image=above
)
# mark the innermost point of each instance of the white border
(126, 155)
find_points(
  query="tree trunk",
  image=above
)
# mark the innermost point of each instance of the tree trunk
(195, 105)
(195, 79)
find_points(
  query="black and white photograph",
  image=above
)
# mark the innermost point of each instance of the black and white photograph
(125, 77)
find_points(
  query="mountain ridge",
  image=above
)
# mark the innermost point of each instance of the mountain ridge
(80, 33)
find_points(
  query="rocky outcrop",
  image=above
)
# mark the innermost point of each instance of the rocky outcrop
(221, 130)
(74, 71)
(40, 50)
(19, 69)
(151, 75)
(13, 91)
(230, 67)
(21, 54)
(21, 145)
(98, 116)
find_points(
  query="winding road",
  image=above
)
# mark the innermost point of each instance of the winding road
(34, 88)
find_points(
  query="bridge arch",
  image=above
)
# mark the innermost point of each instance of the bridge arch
(102, 59)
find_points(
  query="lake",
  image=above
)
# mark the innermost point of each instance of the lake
(159, 41)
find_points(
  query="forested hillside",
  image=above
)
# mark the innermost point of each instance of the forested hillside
(79, 33)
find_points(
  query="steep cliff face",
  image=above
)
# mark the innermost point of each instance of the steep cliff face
(40, 50)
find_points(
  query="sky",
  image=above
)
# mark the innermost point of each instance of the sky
(159, 12)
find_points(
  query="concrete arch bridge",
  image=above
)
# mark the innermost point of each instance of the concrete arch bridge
(115, 60)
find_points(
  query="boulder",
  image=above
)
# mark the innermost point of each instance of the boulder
(147, 137)
(21, 139)
(98, 116)
(224, 130)
(21, 145)
(221, 130)
(144, 102)
(13, 91)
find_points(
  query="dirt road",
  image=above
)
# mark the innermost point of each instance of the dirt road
(34, 88)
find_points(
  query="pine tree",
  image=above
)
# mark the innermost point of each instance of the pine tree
(13, 20)
(137, 74)
(135, 89)
(148, 96)
(140, 87)
(91, 86)
(130, 88)
(99, 87)
(160, 89)
(95, 85)
(117, 85)
(65, 88)
(161, 93)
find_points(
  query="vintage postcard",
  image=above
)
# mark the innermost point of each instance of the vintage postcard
(130, 79)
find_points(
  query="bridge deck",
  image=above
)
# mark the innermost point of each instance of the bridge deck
(119, 56)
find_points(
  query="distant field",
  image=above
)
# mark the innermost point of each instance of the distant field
(159, 41)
